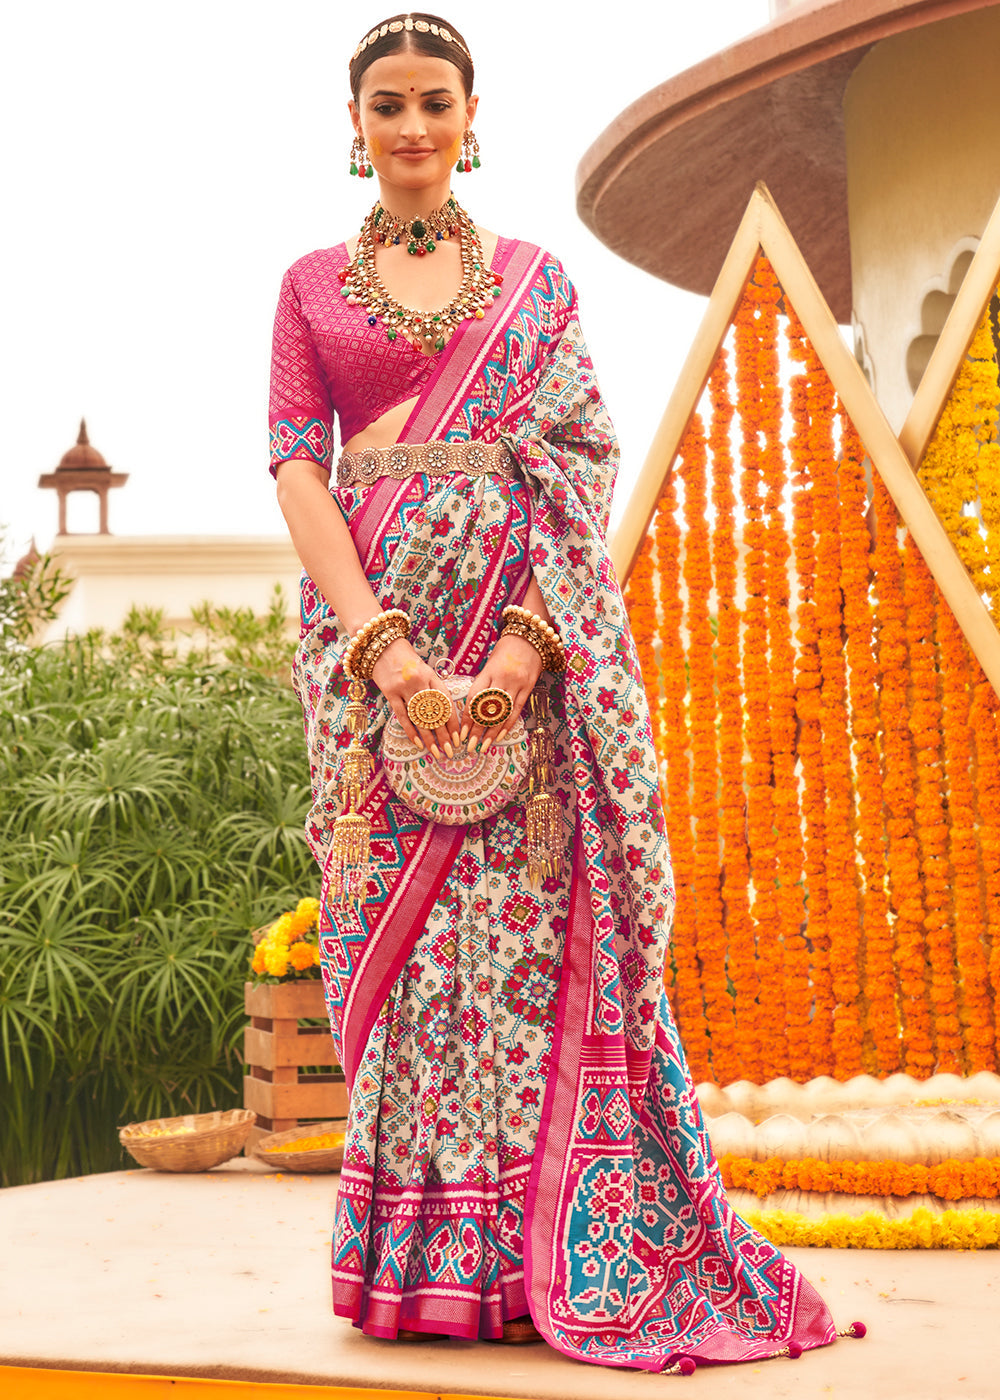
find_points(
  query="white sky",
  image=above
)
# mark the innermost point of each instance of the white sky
(163, 164)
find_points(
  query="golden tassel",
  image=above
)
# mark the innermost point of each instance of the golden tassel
(543, 824)
(350, 856)
(350, 843)
(355, 773)
(356, 714)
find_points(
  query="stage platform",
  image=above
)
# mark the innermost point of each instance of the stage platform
(225, 1275)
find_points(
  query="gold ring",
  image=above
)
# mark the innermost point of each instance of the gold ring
(491, 707)
(429, 709)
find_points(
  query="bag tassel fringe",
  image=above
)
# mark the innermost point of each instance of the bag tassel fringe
(543, 823)
(350, 845)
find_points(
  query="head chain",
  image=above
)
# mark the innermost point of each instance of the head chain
(422, 26)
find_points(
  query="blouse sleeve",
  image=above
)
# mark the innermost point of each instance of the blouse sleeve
(301, 415)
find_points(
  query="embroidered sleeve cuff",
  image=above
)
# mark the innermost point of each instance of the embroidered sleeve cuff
(301, 437)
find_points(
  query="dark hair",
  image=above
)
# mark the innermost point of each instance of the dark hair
(417, 38)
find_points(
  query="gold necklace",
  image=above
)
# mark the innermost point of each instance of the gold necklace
(362, 286)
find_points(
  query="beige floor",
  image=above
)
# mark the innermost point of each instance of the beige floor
(226, 1274)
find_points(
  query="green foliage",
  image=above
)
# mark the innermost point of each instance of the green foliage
(152, 796)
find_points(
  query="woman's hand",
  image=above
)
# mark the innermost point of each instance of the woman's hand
(399, 673)
(514, 666)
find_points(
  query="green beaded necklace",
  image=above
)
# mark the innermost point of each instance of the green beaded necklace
(426, 330)
(422, 234)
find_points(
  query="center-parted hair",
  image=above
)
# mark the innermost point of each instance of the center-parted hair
(414, 33)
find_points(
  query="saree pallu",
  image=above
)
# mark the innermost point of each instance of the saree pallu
(524, 1133)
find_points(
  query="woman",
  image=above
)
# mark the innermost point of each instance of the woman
(525, 1149)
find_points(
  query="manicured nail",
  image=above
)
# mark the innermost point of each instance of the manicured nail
(448, 749)
(473, 746)
(464, 734)
(435, 751)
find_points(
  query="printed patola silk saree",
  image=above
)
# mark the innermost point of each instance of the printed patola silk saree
(524, 1135)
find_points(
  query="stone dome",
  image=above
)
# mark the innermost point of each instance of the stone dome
(82, 457)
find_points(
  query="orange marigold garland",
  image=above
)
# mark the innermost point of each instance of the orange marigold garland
(711, 943)
(808, 680)
(736, 860)
(906, 890)
(952, 1180)
(985, 717)
(841, 873)
(756, 681)
(925, 715)
(790, 893)
(686, 981)
(882, 1020)
(959, 675)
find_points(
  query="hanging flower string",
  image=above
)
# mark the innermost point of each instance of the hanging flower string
(882, 1022)
(925, 716)
(808, 682)
(789, 893)
(961, 467)
(958, 678)
(711, 939)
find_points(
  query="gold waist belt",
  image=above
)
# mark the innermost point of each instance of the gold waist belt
(433, 458)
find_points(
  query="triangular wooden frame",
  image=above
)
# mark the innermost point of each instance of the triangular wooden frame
(762, 229)
(953, 343)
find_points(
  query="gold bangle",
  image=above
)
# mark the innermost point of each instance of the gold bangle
(364, 664)
(521, 622)
(354, 652)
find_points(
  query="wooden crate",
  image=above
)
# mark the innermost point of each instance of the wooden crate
(276, 1047)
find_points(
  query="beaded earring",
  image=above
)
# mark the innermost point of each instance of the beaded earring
(469, 159)
(360, 163)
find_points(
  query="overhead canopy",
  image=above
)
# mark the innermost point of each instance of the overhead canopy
(667, 182)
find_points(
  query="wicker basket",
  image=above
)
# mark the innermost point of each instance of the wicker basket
(215, 1137)
(321, 1159)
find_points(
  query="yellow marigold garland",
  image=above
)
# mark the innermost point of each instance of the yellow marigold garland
(756, 670)
(952, 1229)
(953, 1180)
(961, 467)
(711, 939)
(742, 968)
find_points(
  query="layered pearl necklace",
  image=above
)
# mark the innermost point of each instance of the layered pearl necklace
(426, 330)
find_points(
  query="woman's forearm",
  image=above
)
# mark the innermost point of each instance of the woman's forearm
(534, 601)
(323, 542)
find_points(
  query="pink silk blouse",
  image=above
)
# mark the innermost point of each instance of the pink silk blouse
(331, 358)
